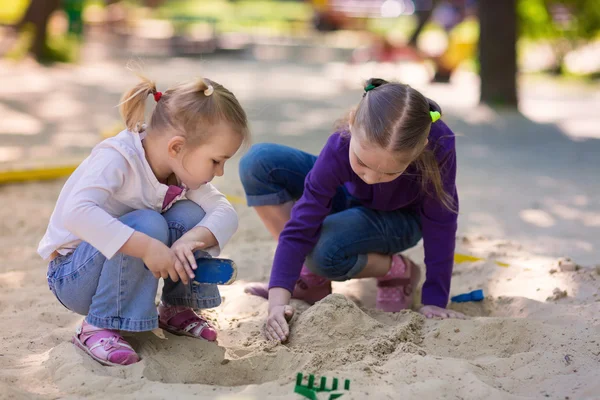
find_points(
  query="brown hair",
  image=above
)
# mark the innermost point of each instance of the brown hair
(397, 117)
(188, 109)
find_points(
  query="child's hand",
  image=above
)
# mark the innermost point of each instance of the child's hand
(184, 251)
(277, 327)
(434, 311)
(163, 262)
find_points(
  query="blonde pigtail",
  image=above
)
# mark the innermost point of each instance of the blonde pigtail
(133, 103)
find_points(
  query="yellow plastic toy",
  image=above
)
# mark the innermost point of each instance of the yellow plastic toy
(36, 174)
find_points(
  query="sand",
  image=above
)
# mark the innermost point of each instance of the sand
(525, 340)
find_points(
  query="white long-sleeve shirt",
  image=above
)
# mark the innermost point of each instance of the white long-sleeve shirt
(114, 180)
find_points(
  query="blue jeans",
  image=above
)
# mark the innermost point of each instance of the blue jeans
(120, 293)
(274, 174)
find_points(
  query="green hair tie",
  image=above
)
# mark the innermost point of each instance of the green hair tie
(369, 87)
(435, 115)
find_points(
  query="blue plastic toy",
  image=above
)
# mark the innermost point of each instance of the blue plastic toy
(475, 295)
(216, 271)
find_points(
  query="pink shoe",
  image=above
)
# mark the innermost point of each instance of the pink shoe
(310, 288)
(106, 346)
(395, 289)
(183, 321)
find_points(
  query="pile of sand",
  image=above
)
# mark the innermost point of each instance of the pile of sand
(520, 342)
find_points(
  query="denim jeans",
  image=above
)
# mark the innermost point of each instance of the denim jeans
(120, 293)
(274, 174)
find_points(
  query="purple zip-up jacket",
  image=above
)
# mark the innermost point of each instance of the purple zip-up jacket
(333, 170)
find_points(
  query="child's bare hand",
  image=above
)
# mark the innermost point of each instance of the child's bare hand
(163, 263)
(277, 327)
(184, 251)
(434, 311)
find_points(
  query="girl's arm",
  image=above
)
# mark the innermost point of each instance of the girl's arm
(85, 216)
(277, 327)
(439, 226)
(220, 221)
(278, 297)
(301, 233)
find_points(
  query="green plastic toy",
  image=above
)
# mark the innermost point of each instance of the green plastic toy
(309, 390)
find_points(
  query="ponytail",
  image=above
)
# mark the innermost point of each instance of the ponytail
(133, 103)
(427, 164)
(433, 106)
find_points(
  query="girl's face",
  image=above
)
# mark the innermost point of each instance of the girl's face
(199, 165)
(376, 165)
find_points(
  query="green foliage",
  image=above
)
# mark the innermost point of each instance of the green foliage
(221, 10)
(58, 48)
(62, 48)
(563, 23)
(581, 19)
(403, 25)
(238, 16)
(21, 48)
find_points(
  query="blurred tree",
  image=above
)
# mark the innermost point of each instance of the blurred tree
(497, 52)
(74, 11)
(564, 22)
(37, 15)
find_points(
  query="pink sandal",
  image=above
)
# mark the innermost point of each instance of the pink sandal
(106, 346)
(310, 288)
(395, 289)
(183, 321)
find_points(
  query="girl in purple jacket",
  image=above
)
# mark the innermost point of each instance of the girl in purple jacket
(382, 182)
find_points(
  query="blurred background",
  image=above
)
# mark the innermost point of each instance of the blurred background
(517, 80)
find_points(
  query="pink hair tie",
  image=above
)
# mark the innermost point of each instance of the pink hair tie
(157, 96)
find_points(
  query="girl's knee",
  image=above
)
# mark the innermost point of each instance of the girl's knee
(80, 308)
(254, 165)
(184, 213)
(148, 222)
(188, 207)
(325, 262)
